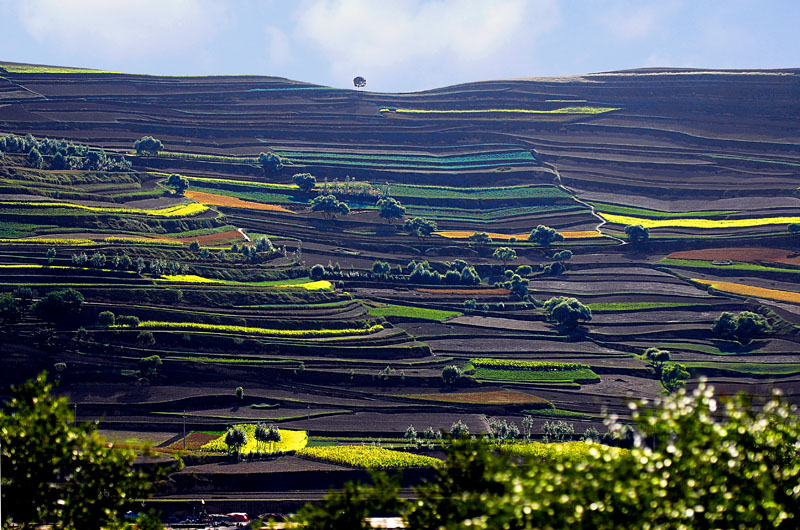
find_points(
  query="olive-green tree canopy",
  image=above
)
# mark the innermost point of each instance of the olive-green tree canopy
(59, 473)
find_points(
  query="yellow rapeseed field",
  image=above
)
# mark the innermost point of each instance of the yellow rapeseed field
(749, 290)
(368, 456)
(319, 285)
(290, 441)
(458, 234)
(562, 452)
(177, 210)
(157, 324)
(698, 223)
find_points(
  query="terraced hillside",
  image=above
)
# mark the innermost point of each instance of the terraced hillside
(323, 319)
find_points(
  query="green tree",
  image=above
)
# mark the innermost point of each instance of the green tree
(35, 158)
(545, 236)
(106, 318)
(305, 181)
(479, 240)
(235, 439)
(148, 366)
(50, 255)
(260, 435)
(673, 376)
(59, 473)
(451, 374)
(329, 205)
(147, 145)
(505, 254)
(178, 183)
(273, 436)
(270, 163)
(637, 233)
(60, 306)
(391, 209)
(381, 268)
(564, 255)
(657, 357)
(743, 327)
(239, 393)
(145, 339)
(567, 311)
(11, 310)
(317, 272)
(420, 227)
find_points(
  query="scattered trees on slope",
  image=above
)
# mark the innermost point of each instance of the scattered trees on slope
(544, 235)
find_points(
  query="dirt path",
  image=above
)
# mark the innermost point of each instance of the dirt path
(576, 199)
(245, 236)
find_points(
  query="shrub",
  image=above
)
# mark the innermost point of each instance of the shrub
(567, 311)
(106, 318)
(451, 374)
(673, 376)
(317, 272)
(145, 338)
(147, 145)
(743, 327)
(270, 163)
(637, 233)
(544, 235)
(59, 306)
(240, 392)
(128, 320)
(459, 430)
(524, 270)
(305, 181)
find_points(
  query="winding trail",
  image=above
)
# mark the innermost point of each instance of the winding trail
(574, 195)
(245, 236)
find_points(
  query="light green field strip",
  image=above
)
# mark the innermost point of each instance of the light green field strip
(736, 265)
(178, 210)
(247, 183)
(697, 223)
(563, 110)
(413, 312)
(197, 326)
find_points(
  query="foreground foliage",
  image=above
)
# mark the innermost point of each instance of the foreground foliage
(60, 473)
(696, 462)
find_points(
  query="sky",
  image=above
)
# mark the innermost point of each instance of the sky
(399, 45)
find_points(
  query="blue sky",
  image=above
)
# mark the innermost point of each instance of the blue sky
(399, 45)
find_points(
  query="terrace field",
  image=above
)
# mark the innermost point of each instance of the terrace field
(342, 327)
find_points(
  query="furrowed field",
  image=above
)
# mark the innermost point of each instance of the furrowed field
(505, 260)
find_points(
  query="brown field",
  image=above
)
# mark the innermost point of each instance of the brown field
(213, 199)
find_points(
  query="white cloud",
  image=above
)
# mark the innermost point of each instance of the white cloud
(279, 47)
(121, 28)
(632, 22)
(389, 40)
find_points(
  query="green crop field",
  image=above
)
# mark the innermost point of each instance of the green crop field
(413, 312)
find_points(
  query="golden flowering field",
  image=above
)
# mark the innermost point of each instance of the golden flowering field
(319, 285)
(562, 452)
(368, 456)
(459, 234)
(157, 324)
(698, 223)
(290, 441)
(749, 290)
(177, 210)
